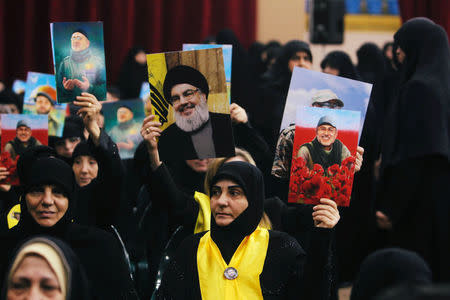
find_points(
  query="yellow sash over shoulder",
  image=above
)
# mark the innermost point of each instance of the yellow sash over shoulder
(204, 213)
(248, 261)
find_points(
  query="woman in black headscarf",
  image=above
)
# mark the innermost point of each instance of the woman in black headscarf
(237, 257)
(47, 208)
(241, 81)
(340, 64)
(60, 275)
(388, 268)
(371, 64)
(416, 146)
(133, 73)
(273, 91)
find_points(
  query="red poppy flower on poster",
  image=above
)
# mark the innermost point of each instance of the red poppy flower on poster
(11, 166)
(309, 186)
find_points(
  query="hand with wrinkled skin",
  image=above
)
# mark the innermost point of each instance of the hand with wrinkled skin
(326, 214)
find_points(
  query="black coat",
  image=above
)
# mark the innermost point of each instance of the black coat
(98, 251)
(98, 203)
(175, 144)
(416, 147)
(288, 272)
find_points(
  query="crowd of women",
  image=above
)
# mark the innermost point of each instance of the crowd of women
(93, 226)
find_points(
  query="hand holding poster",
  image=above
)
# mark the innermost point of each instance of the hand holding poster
(79, 59)
(323, 161)
(189, 98)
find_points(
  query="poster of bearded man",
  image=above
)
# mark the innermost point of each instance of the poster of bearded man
(189, 98)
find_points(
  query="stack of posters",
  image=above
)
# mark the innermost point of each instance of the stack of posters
(327, 113)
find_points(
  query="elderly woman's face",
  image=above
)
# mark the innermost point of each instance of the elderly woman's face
(47, 204)
(228, 201)
(34, 279)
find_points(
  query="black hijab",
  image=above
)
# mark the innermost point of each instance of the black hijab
(241, 81)
(250, 179)
(371, 64)
(387, 268)
(341, 61)
(46, 170)
(280, 73)
(132, 75)
(418, 121)
(77, 285)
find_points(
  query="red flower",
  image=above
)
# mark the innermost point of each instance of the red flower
(11, 166)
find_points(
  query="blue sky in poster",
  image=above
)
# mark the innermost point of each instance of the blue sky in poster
(9, 121)
(305, 83)
(227, 51)
(35, 80)
(345, 119)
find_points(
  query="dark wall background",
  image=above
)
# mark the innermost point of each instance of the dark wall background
(156, 25)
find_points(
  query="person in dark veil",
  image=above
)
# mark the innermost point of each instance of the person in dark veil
(371, 65)
(241, 80)
(133, 73)
(239, 259)
(415, 166)
(60, 273)
(47, 208)
(388, 268)
(340, 64)
(256, 64)
(388, 53)
(274, 88)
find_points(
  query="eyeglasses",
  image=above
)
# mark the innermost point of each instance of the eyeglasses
(187, 94)
(76, 38)
(328, 104)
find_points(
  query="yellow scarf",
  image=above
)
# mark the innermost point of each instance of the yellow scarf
(203, 222)
(248, 260)
(204, 213)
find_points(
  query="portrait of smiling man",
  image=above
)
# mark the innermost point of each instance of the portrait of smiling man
(196, 132)
(22, 141)
(325, 150)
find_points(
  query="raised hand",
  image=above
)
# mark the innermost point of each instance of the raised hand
(238, 114)
(89, 111)
(326, 214)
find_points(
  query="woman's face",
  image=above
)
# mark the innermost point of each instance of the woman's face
(299, 59)
(34, 279)
(400, 55)
(228, 201)
(330, 70)
(85, 168)
(47, 204)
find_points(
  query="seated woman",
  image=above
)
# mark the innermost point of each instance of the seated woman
(47, 208)
(237, 259)
(45, 267)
